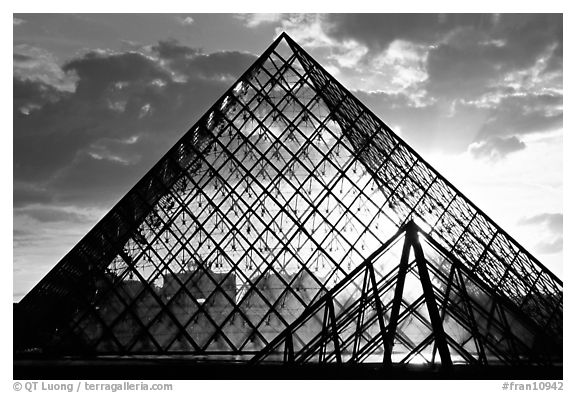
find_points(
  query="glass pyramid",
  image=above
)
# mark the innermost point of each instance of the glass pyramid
(266, 233)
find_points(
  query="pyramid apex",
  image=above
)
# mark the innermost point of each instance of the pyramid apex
(284, 35)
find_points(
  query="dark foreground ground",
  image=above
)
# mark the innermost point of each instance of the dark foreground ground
(179, 369)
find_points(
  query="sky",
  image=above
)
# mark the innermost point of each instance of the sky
(99, 98)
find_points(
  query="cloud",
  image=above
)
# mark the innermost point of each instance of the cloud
(192, 63)
(185, 20)
(377, 31)
(25, 194)
(256, 20)
(551, 226)
(523, 35)
(551, 247)
(428, 125)
(21, 58)
(87, 180)
(29, 95)
(310, 31)
(471, 58)
(481, 51)
(522, 114)
(406, 61)
(18, 21)
(504, 70)
(553, 221)
(496, 148)
(48, 214)
(33, 63)
(100, 73)
(117, 150)
(126, 108)
(522, 101)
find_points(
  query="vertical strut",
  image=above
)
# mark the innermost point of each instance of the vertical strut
(402, 269)
(473, 325)
(379, 312)
(289, 348)
(439, 334)
(360, 318)
(330, 304)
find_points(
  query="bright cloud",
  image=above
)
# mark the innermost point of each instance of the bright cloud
(185, 20)
(37, 64)
(255, 20)
(405, 62)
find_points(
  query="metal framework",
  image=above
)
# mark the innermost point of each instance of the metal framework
(450, 317)
(262, 235)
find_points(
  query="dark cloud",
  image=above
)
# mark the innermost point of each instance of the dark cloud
(88, 180)
(126, 109)
(527, 36)
(20, 58)
(467, 51)
(194, 64)
(472, 58)
(47, 214)
(510, 40)
(523, 114)
(99, 73)
(508, 66)
(553, 221)
(172, 50)
(461, 68)
(496, 148)
(37, 64)
(73, 29)
(30, 194)
(21, 236)
(377, 30)
(32, 95)
(555, 62)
